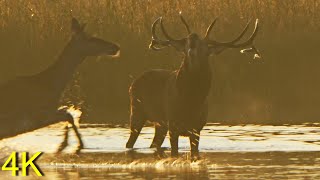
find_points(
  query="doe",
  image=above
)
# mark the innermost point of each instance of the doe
(31, 102)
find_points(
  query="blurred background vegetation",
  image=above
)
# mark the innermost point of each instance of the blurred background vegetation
(283, 87)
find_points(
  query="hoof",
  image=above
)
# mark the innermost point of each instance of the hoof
(131, 153)
(129, 145)
(159, 153)
(174, 154)
(153, 146)
(79, 148)
(195, 158)
(77, 151)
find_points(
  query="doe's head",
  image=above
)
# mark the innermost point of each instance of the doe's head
(91, 46)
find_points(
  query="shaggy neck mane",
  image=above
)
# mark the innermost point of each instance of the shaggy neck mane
(195, 81)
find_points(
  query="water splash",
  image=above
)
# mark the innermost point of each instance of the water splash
(143, 163)
(74, 111)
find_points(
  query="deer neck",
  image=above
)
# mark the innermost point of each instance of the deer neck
(194, 80)
(60, 73)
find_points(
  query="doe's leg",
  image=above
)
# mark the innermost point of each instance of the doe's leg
(78, 135)
(62, 115)
(64, 143)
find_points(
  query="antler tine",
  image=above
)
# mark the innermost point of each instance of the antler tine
(251, 38)
(153, 28)
(256, 28)
(184, 22)
(210, 28)
(155, 40)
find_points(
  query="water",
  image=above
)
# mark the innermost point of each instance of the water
(228, 152)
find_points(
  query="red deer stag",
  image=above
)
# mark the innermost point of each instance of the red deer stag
(178, 100)
(31, 102)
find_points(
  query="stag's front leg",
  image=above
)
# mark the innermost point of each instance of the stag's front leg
(194, 144)
(159, 136)
(137, 121)
(174, 140)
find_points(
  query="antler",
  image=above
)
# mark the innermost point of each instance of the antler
(209, 28)
(169, 40)
(154, 38)
(184, 22)
(232, 44)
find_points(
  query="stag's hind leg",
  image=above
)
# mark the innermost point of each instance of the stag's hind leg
(194, 144)
(174, 140)
(159, 136)
(137, 120)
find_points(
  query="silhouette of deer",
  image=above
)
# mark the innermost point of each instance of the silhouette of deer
(28, 103)
(178, 100)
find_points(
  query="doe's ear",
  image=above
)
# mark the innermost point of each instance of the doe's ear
(75, 26)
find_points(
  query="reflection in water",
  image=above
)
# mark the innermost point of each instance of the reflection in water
(228, 152)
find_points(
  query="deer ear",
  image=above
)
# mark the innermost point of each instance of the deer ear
(75, 26)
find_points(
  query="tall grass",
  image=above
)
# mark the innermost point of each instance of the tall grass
(281, 87)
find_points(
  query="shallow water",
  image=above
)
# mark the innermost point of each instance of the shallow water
(228, 152)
